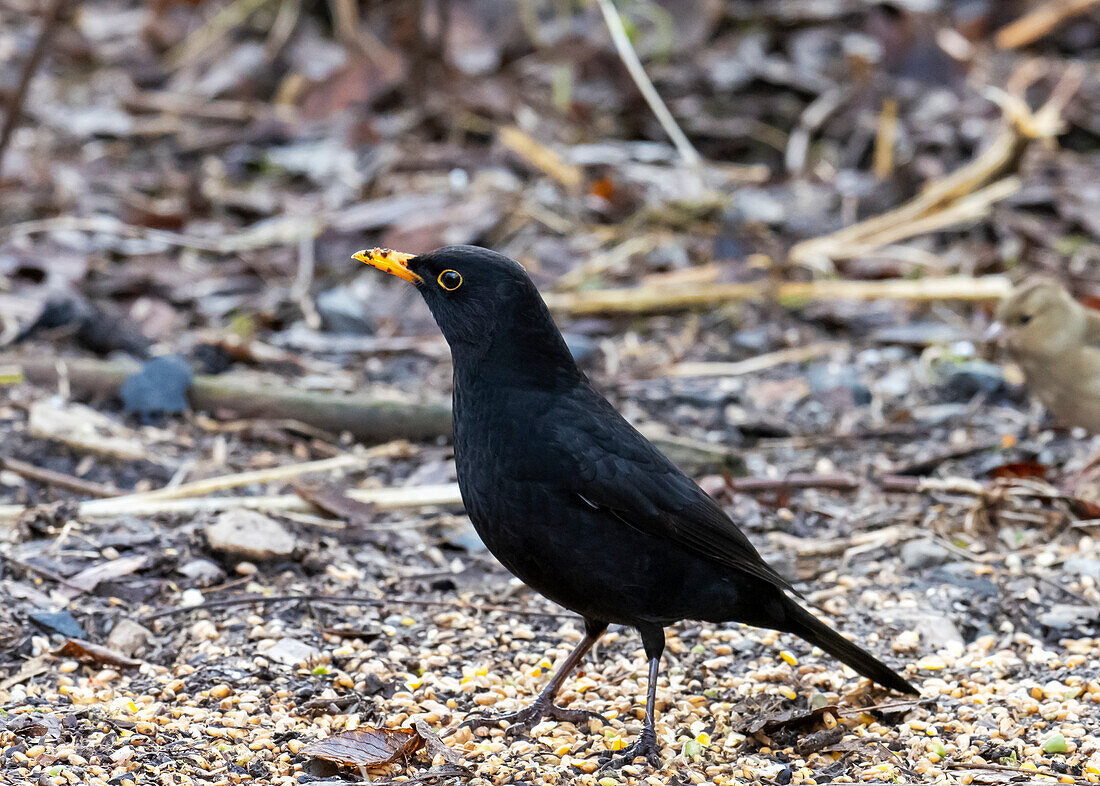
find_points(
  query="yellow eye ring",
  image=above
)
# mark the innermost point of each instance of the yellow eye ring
(453, 280)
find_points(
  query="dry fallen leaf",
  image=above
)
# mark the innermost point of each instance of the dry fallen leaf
(87, 652)
(336, 503)
(365, 746)
(1021, 469)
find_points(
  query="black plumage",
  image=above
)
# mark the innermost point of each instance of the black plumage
(572, 499)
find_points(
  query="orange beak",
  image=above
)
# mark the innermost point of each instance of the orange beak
(393, 262)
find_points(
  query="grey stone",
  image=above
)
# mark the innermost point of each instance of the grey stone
(924, 554)
(248, 535)
(61, 623)
(755, 206)
(582, 347)
(1084, 567)
(963, 381)
(1064, 616)
(129, 638)
(343, 312)
(937, 630)
(291, 652)
(466, 537)
(203, 572)
(159, 387)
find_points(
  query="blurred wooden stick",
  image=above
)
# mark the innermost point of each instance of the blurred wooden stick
(368, 418)
(442, 495)
(1040, 21)
(637, 72)
(538, 155)
(11, 117)
(212, 31)
(758, 363)
(59, 479)
(663, 299)
(205, 487)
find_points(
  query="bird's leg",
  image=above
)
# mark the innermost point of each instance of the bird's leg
(543, 707)
(653, 640)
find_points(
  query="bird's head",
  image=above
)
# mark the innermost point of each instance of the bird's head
(1039, 319)
(485, 304)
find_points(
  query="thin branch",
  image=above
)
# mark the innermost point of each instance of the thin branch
(655, 299)
(200, 488)
(841, 481)
(758, 363)
(649, 92)
(15, 109)
(58, 479)
(444, 495)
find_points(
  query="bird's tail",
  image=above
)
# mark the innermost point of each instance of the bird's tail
(806, 625)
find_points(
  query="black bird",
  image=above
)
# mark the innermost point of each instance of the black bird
(573, 500)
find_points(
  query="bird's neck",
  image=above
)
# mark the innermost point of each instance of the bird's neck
(509, 365)
(525, 349)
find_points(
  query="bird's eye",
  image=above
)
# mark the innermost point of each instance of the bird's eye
(1024, 318)
(450, 280)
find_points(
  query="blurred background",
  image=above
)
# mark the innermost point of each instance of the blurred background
(773, 233)
(205, 164)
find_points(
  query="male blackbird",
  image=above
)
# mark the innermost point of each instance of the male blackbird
(573, 500)
(1056, 341)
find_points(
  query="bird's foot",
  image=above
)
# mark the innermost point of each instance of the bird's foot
(526, 719)
(646, 745)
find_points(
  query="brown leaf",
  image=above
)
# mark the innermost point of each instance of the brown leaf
(436, 746)
(1021, 469)
(365, 746)
(770, 722)
(96, 654)
(336, 503)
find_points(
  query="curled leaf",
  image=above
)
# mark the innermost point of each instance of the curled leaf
(365, 746)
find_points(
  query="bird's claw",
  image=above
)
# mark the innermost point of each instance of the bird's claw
(645, 745)
(526, 719)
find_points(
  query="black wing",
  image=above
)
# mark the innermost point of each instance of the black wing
(611, 466)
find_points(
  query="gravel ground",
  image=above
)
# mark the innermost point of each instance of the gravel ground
(987, 603)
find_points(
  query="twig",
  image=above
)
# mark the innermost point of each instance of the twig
(45, 573)
(634, 66)
(813, 116)
(925, 465)
(213, 30)
(758, 363)
(41, 45)
(886, 138)
(194, 106)
(346, 600)
(842, 481)
(58, 479)
(204, 487)
(1039, 21)
(441, 495)
(304, 281)
(872, 539)
(663, 299)
(605, 260)
(905, 484)
(541, 157)
(107, 225)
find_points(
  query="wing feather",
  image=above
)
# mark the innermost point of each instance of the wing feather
(610, 465)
